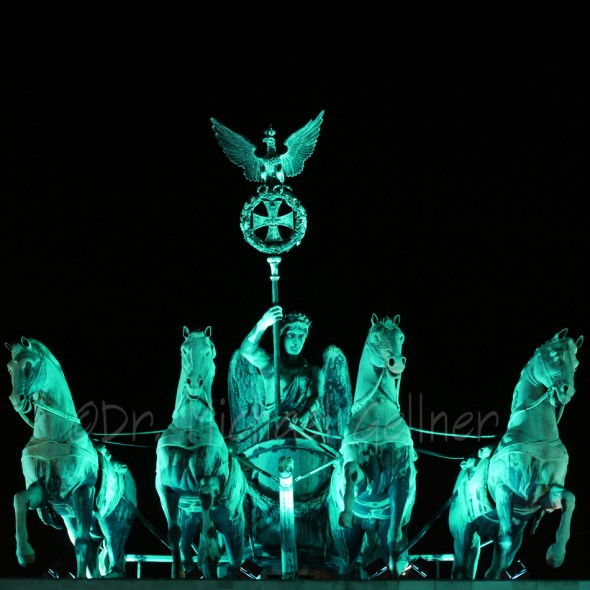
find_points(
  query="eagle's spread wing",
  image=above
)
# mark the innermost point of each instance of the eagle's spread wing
(239, 150)
(337, 395)
(242, 152)
(300, 146)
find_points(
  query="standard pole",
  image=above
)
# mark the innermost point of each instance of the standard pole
(274, 261)
(289, 566)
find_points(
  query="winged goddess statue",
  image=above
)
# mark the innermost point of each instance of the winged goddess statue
(272, 167)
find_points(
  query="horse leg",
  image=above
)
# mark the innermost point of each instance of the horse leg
(466, 548)
(83, 505)
(189, 522)
(232, 529)
(353, 538)
(517, 536)
(93, 553)
(23, 501)
(209, 551)
(399, 495)
(115, 529)
(559, 497)
(170, 499)
(352, 479)
(503, 546)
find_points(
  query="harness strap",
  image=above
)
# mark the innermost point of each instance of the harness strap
(367, 398)
(200, 399)
(59, 413)
(26, 419)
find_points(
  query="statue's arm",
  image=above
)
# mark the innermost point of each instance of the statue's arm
(250, 347)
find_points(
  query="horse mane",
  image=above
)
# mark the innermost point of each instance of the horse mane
(387, 322)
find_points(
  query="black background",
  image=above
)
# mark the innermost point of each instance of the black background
(448, 185)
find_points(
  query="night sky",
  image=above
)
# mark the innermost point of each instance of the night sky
(447, 186)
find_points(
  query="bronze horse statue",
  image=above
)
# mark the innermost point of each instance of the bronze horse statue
(500, 492)
(374, 488)
(201, 487)
(67, 475)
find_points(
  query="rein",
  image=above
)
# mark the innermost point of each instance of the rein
(59, 413)
(547, 394)
(198, 398)
(397, 380)
(49, 409)
(188, 383)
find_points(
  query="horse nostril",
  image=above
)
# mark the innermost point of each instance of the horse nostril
(201, 381)
(391, 362)
(188, 381)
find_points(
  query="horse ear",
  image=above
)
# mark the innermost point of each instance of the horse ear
(208, 331)
(374, 319)
(25, 342)
(396, 320)
(579, 342)
(9, 346)
(560, 335)
(185, 332)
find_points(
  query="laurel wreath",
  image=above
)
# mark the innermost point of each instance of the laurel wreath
(299, 221)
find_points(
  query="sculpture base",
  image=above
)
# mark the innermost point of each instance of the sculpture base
(164, 584)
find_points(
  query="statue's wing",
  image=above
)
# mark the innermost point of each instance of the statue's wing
(246, 395)
(337, 394)
(300, 146)
(239, 150)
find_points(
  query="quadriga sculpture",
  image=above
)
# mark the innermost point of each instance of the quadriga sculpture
(201, 487)
(63, 467)
(500, 492)
(373, 491)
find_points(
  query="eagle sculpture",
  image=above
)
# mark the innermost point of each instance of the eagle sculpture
(270, 168)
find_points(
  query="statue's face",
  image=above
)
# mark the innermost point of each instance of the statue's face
(294, 338)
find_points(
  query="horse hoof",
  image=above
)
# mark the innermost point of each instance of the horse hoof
(460, 573)
(26, 559)
(114, 575)
(345, 519)
(554, 557)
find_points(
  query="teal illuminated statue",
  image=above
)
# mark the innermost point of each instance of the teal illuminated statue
(312, 397)
(200, 486)
(63, 467)
(373, 490)
(288, 415)
(269, 166)
(306, 426)
(498, 494)
(275, 210)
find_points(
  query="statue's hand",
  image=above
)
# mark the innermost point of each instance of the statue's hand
(273, 315)
(301, 419)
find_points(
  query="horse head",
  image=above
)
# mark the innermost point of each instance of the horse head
(554, 365)
(384, 344)
(198, 366)
(28, 373)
